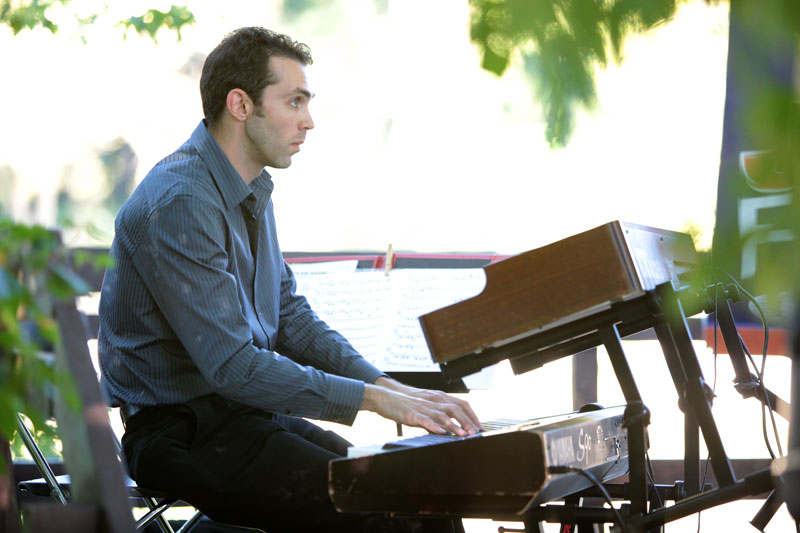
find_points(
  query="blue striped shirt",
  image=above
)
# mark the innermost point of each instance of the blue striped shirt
(201, 302)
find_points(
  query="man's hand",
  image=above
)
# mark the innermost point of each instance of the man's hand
(432, 410)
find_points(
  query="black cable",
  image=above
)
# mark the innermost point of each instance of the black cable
(761, 315)
(766, 405)
(563, 469)
(651, 475)
(703, 488)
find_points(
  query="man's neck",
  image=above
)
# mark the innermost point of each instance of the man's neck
(229, 139)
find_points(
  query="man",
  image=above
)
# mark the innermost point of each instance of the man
(203, 341)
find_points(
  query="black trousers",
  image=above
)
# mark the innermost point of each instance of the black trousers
(246, 467)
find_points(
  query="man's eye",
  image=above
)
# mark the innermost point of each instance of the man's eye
(295, 102)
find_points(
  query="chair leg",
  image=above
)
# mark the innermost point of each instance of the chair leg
(155, 513)
(191, 522)
(160, 520)
(41, 463)
(163, 524)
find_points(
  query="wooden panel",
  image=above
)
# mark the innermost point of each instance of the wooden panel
(89, 451)
(75, 518)
(527, 291)
(563, 281)
(9, 510)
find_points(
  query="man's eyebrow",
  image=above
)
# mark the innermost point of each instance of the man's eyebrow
(305, 92)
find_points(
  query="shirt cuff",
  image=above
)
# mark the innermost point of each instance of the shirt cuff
(345, 397)
(364, 371)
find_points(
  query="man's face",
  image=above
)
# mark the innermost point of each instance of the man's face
(278, 126)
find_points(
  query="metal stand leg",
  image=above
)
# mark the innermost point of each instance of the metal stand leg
(745, 382)
(584, 378)
(533, 526)
(691, 430)
(767, 511)
(691, 454)
(635, 420)
(697, 391)
(568, 521)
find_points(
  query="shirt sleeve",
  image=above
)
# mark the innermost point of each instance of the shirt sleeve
(182, 261)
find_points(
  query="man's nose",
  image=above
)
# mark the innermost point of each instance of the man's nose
(308, 122)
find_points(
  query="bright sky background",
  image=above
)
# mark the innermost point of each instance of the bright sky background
(415, 145)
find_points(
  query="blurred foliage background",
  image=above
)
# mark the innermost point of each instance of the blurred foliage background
(403, 107)
(557, 49)
(467, 125)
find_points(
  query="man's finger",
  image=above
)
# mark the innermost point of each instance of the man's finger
(457, 408)
(432, 426)
(467, 422)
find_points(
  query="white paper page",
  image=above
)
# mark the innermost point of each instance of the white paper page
(417, 292)
(379, 314)
(354, 304)
(324, 267)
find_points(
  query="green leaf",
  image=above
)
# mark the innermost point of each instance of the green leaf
(153, 20)
(561, 42)
(64, 282)
(9, 286)
(28, 14)
(20, 15)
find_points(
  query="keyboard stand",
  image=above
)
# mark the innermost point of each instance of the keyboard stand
(665, 310)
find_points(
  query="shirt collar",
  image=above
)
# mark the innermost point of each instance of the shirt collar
(262, 188)
(231, 186)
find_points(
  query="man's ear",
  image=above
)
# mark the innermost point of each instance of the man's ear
(239, 105)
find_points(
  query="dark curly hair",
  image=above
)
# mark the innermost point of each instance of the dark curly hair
(241, 61)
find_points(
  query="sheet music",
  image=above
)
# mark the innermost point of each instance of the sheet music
(324, 267)
(378, 313)
(420, 291)
(352, 303)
